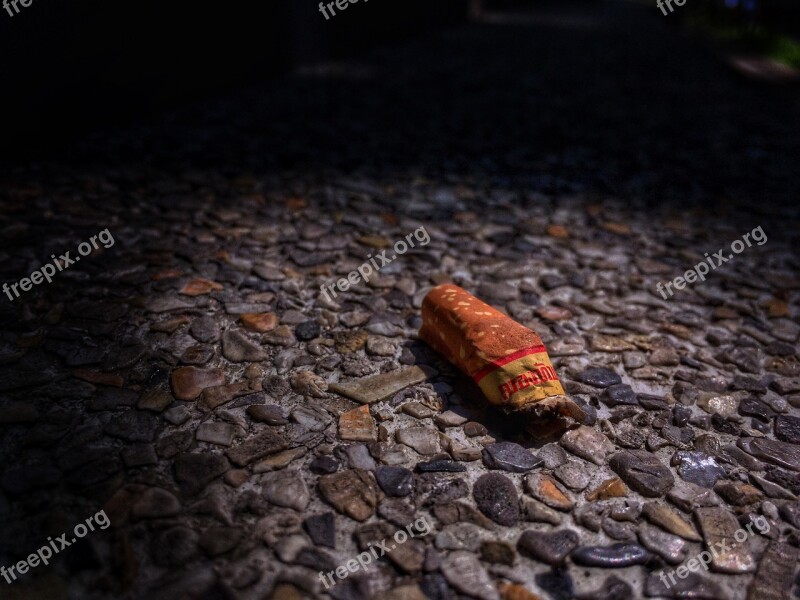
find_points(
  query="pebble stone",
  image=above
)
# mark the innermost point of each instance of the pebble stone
(548, 547)
(613, 556)
(642, 472)
(507, 456)
(497, 498)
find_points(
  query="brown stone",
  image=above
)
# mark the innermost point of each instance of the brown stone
(557, 231)
(218, 395)
(357, 425)
(188, 382)
(544, 488)
(109, 379)
(669, 520)
(170, 325)
(610, 488)
(618, 228)
(353, 493)
(350, 341)
(200, 286)
(737, 493)
(554, 313)
(259, 322)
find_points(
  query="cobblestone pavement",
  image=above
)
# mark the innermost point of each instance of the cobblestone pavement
(192, 381)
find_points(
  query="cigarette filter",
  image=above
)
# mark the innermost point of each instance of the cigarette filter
(507, 360)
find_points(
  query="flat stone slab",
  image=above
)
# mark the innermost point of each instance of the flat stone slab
(378, 387)
(719, 527)
(257, 446)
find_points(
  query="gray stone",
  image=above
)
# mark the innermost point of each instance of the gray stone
(588, 443)
(237, 347)
(669, 547)
(550, 547)
(257, 446)
(422, 439)
(286, 488)
(466, 574)
(508, 456)
(642, 472)
(698, 468)
(216, 433)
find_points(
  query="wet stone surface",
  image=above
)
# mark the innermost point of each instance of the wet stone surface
(243, 431)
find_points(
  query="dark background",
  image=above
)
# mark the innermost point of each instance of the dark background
(616, 91)
(72, 66)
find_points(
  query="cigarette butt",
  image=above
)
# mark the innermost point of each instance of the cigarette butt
(507, 360)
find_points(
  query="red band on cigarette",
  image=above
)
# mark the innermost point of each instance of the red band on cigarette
(476, 377)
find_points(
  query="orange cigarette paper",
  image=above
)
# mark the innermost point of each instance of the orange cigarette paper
(507, 360)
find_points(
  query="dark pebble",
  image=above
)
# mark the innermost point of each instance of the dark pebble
(719, 423)
(324, 465)
(651, 402)
(753, 407)
(613, 556)
(787, 429)
(315, 559)
(267, 413)
(307, 331)
(436, 490)
(322, 529)
(549, 547)
(760, 425)
(589, 412)
(508, 456)
(498, 552)
(681, 415)
(473, 429)
(613, 588)
(643, 472)
(395, 481)
(557, 583)
(749, 384)
(701, 421)
(497, 498)
(448, 466)
(786, 479)
(620, 393)
(599, 377)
